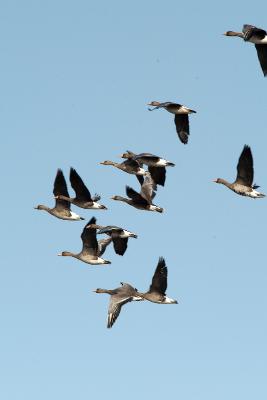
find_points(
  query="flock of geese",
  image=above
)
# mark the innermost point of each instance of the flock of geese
(155, 174)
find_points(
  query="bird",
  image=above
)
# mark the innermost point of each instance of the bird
(118, 235)
(142, 200)
(130, 166)
(156, 292)
(118, 297)
(243, 184)
(156, 165)
(181, 118)
(62, 207)
(92, 250)
(82, 197)
(258, 37)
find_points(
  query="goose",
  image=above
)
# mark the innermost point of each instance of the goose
(143, 200)
(156, 165)
(118, 297)
(130, 166)
(243, 184)
(92, 250)
(256, 36)
(156, 292)
(180, 118)
(118, 235)
(62, 207)
(82, 197)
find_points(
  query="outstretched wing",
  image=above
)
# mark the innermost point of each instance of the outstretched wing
(136, 197)
(159, 280)
(102, 245)
(115, 305)
(262, 56)
(147, 191)
(89, 240)
(60, 188)
(81, 191)
(182, 127)
(158, 174)
(245, 170)
(120, 245)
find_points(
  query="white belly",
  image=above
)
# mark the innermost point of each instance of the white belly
(258, 41)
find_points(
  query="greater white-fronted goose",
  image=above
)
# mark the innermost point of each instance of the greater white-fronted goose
(119, 236)
(82, 197)
(243, 184)
(156, 165)
(92, 250)
(180, 118)
(256, 36)
(62, 207)
(156, 292)
(130, 166)
(142, 200)
(118, 297)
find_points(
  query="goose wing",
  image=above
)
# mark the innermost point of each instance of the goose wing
(120, 244)
(81, 191)
(182, 127)
(136, 197)
(132, 164)
(115, 304)
(88, 236)
(147, 191)
(159, 280)
(245, 170)
(158, 174)
(60, 188)
(262, 56)
(102, 245)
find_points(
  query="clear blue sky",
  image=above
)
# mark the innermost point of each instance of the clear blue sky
(75, 81)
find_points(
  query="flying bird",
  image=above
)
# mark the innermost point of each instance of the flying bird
(243, 184)
(157, 290)
(142, 200)
(62, 207)
(181, 118)
(118, 297)
(258, 37)
(92, 250)
(156, 165)
(82, 197)
(118, 235)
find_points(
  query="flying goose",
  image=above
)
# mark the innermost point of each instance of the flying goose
(143, 200)
(180, 118)
(243, 184)
(130, 166)
(156, 292)
(62, 207)
(92, 250)
(256, 36)
(156, 165)
(118, 235)
(118, 297)
(82, 197)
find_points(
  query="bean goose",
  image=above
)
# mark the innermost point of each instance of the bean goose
(82, 197)
(243, 184)
(130, 166)
(62, 207)
(92, 250)
(118, 235)
(181, 119)
(118, 297)
(142, 200)
(156, 165)
(256, 36)
(156, 292)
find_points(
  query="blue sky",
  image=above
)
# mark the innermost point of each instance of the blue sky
(75, 81)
